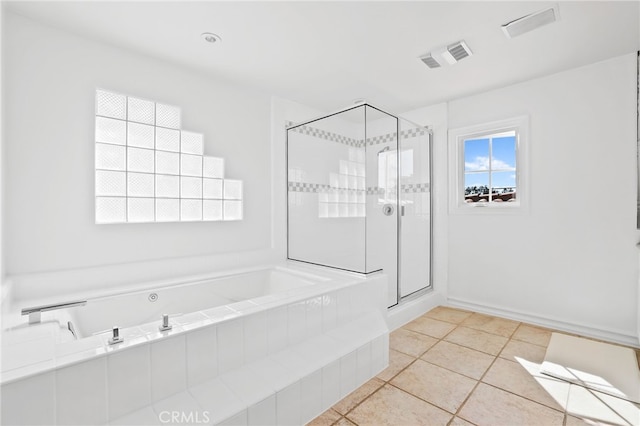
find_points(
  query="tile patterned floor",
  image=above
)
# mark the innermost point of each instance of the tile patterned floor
(454, 367)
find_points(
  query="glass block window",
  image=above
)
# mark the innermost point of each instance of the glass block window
(148, 169)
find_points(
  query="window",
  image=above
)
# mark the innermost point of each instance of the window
(488, 165)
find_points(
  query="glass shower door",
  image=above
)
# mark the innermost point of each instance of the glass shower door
(415, 199)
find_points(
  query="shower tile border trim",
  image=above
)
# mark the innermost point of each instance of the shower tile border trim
(372, 190)
(357, 143)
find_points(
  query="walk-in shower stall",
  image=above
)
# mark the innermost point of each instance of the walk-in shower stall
(359, 196)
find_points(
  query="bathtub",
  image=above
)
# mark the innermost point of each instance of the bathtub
(131, 309)
(264, 345)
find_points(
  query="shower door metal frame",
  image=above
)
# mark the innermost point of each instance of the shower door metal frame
(429, 287)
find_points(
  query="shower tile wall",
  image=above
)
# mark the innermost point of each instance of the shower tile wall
(326, 187)
(336, 180)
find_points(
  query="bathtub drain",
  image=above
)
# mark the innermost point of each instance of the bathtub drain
(153, 297)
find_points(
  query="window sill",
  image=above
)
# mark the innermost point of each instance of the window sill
(483, 209)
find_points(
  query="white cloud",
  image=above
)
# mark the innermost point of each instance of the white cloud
(482, 163)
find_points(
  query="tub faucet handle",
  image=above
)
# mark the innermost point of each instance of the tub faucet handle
(165, 323)
(115, 338)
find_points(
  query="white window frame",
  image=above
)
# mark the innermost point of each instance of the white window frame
(457, 137)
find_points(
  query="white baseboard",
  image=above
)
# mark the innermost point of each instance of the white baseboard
(411, 309)
(553, 323)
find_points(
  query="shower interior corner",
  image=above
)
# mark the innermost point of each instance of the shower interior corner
(359, 196)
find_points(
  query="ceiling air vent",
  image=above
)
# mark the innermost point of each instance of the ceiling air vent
(530, 22)
(459, 50)
(429, 61)
(447, 55)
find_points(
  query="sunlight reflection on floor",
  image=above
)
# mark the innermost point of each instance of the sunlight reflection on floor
(592, 406)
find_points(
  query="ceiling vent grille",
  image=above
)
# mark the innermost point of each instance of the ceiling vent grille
(530, 22)
(459, 50)
(447, 55)
(429, 61)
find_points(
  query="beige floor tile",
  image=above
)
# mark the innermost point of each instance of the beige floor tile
(536, 335)
(523, 350)
(457, 421)
(410, 342)
(430, 327)
(479, 340)
(526, 380)
(397, 362)
(356, 397)
(491, 406)
(494, 325)
(452, 315)
(462, 360)
(344, 422)
(443, 388)
(327, 418)
(391, 406)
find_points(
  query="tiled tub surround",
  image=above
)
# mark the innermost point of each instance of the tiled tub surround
(281, 358)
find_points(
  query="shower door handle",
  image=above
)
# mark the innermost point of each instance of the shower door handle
(388, 209)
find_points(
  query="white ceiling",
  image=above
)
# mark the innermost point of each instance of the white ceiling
(327, 54)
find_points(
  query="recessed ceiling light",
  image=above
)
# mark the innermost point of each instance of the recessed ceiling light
(210, 37)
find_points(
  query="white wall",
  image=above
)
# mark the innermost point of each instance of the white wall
(2, 251)
(571, 262)
(50, 78)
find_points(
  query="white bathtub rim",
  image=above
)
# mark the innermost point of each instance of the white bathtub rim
(284, 298)
(14, 305)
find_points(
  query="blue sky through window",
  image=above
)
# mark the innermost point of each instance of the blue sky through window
(502, 166)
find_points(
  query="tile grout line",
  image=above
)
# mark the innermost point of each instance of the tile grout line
(363, 400)
(454, 415)
(505, 390)
(359, 403)
(478, 381)
(511, 339)
(420, 358)
(388, 382)
(441, 339)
